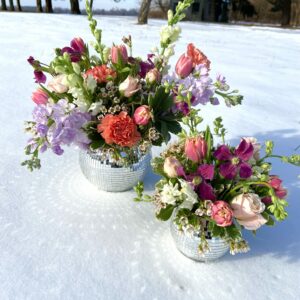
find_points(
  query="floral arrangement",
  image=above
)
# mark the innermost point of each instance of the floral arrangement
(116, 102)
(217, 188)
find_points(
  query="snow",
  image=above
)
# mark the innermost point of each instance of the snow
(60, 238)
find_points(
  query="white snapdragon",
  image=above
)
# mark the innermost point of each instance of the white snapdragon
(170, 194)
(169, 34)
(190, 196)
(90, 83)
(76, 68)
(96, 107)
(169, 51)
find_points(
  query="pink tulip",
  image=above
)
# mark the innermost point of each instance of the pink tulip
(276, 184)
(142, 115)
(184, 66)
(221, 213)
(195, 148)
(119, 52)
(78, 45)
(39, 96)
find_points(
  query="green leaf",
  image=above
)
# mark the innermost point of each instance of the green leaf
(165, 213)
(97, 144)
(173, 127)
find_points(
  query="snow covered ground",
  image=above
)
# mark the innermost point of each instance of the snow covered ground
(60, 238)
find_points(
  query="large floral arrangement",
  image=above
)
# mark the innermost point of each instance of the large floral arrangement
(217, 188)
(114, 101)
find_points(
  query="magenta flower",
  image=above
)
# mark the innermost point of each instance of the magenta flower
(39, 77)
(78, 45)
(235, 163)
(74, 55)
(199, 181)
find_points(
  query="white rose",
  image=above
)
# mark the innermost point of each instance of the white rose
(247, 209)
(58, 84)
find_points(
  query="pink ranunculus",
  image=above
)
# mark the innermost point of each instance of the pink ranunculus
(172, 166)
(221, 213)
(78, 45)
(184, 66)
(40, 96)
(247, 209)
(195, 148)
(119, 53)
(130, 86)
(142, 115)
(58, 84)
(276, 184)
(153, 76)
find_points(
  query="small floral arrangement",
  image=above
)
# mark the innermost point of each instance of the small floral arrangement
(218, 188)
(117, 102)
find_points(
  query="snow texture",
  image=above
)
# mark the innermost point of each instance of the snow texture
(61, 238)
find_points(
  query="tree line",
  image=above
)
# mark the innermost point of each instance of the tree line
(74, 6)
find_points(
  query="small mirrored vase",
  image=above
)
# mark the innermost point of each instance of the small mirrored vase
(188, 244)
(108, 175)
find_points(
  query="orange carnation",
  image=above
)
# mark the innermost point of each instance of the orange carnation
(119, 129)
(198, 57)
(101, 73)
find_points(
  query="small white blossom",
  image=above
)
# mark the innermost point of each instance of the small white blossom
(169, 34)
(170, 194)
(190, 196)
(95, 108)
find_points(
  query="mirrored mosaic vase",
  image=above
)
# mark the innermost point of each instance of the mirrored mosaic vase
(110, 176)
(188, 243)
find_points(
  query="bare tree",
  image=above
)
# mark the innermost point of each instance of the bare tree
(144, 12)
(11, 5)
(3, 5)
(49, 8)
(75, 7)
(39, 7)
(19, 5)
(285, 6)
(295, 15)
(164, 6)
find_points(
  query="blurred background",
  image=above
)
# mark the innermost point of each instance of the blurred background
(284, 13)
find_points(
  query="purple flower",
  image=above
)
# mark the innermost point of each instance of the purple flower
(57, 150)
(31, 60)
(42, 129)
(236, 162)
(146, 66)
(39, 77)
(183, 107)
(199, 181)
(75, 56)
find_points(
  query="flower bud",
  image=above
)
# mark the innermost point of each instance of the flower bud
(171, 166)
(184, 66)
(78, 45)
(153, 76)
(195, 148)
(142, 115)
(39, 97)
(130, 86)
(58, 84)
(119, 53)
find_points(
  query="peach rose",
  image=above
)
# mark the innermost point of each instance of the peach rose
(119, 129)
(247, 209)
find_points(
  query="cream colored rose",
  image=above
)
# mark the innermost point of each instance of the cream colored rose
(58, 84)
(247, 209)
(256, 146)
